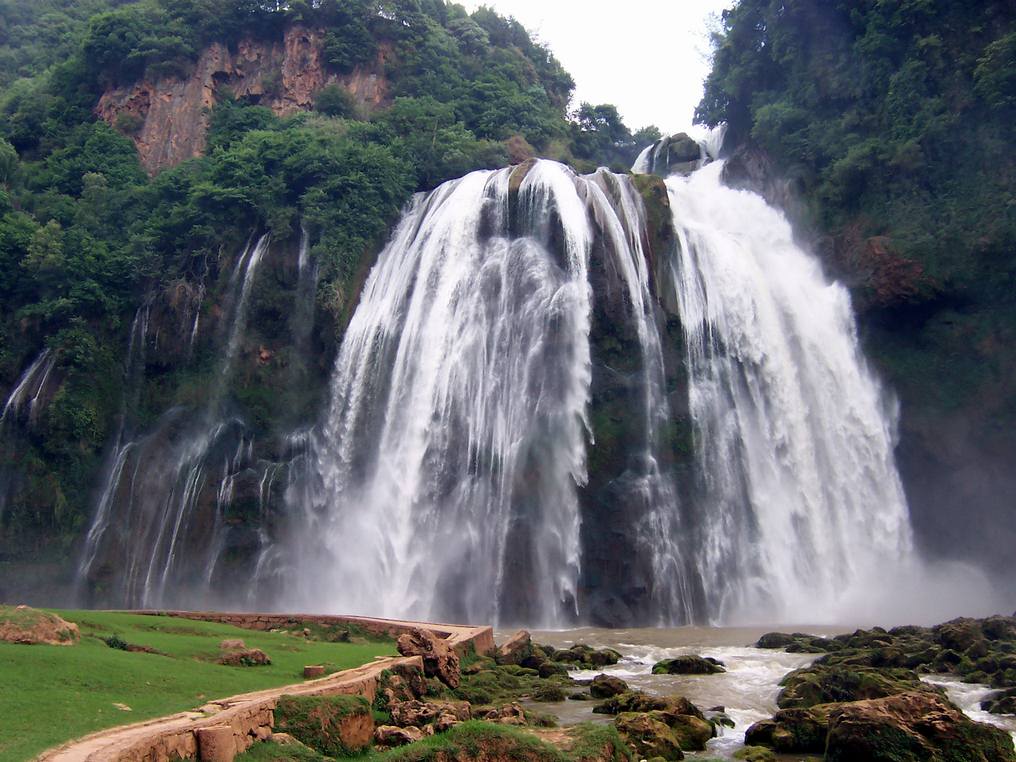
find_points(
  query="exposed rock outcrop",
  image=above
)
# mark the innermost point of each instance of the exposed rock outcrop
(28, 626)
(439, 659)
(173, 112)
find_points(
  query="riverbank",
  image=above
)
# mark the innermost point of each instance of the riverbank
(128, 667)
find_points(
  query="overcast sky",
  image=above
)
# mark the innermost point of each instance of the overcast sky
(647, 57)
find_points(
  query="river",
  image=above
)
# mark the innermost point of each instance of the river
(747, 690)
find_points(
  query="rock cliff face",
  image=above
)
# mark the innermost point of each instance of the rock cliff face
(172, 113)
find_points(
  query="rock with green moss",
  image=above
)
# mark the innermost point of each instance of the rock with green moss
(689, 664)
(912, 727)
(826, 684)
(648, 736)
(549, 693)
(332, 725)
(755, 754)
(605, 686)
(692, 732)
(792, 731)
(637, 701)
(1001, 703)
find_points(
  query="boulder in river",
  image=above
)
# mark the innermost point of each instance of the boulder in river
(689, 665)
(825, 684)
(792, 731)
(912, 727)
(648, 737)
(605, 686)
(516, 649)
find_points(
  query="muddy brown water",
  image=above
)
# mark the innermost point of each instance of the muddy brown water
(747, 690)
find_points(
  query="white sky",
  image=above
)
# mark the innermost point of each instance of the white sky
(647, 57)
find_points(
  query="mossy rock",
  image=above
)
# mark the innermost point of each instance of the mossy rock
(688, 665)
(549, 693)
(755, 754)
(793, 731)
(692, 732)
(825, 684)
(336, 726)
(912, 727)
(648, 736)
(637, 701)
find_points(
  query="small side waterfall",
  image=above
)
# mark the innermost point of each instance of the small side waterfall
(146, 513)
(21, 411)
(799, 499)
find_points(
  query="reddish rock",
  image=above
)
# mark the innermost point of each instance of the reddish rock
(389, 735)
(313, 670)
(249, 657)
(511, 714)
(216, 744)
(169, 116)
(439, 659)
(28, 626)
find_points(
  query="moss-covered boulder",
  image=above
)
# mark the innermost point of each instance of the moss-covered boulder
(28, 626)
(605, 686)
(755, 754)
(792, 731)
(692, 732)
(826, 684)
(648, 736)
(1001, 703)
(637, 701)
(689, 664)
(912, 727)
(332, 725)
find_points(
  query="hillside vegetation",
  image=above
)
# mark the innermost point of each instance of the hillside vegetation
(86, 236)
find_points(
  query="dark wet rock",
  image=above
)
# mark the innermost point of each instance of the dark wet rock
(1001, 703)
(549, 693)
(516, 649)
(551, 668)
(912, 727)
(688, 665)
(775, 640)
(792, 731)
(958, 634)
(648, 737)
(605, 686)
(825, 684)
(580, 696)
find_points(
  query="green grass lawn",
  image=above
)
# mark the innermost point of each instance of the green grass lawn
(51, 694)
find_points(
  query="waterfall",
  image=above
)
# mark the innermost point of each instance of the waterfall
(21, 410)
(147, 529)
(446, 472)
(799, 500)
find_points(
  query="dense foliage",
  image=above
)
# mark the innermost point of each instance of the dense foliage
(86, 236)
(894, 121)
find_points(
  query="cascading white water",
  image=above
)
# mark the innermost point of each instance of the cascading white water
(800, 501)
(457, 424)
(152, 482)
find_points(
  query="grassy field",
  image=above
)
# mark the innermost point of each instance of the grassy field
(50, 694)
